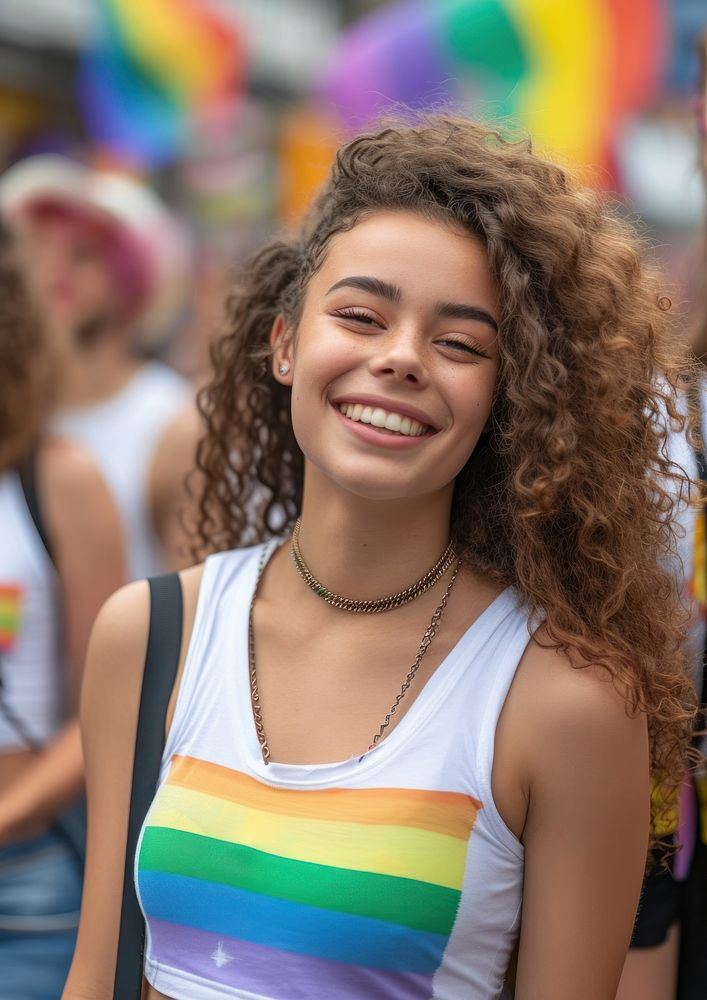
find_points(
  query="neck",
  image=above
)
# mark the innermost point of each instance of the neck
(92, 374)
(367, 549)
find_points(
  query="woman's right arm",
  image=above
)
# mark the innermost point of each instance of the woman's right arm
(109, 708)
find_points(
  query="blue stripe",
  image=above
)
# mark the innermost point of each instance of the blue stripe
(279, 923)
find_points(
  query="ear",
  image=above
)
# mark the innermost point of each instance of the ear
(282, 351)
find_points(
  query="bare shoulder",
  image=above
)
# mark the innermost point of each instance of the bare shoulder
(116, 651)
(570, 698)
(116, 654)
(67, 465)
(75, 496)
(562, 718)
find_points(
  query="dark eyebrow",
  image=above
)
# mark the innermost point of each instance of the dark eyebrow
(457, 310)
(375, 286)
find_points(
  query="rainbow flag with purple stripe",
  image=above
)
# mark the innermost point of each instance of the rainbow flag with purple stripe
(343, 893)
(10, 615)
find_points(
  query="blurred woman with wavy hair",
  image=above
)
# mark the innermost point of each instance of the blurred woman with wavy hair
(60, 557)
(416, 719)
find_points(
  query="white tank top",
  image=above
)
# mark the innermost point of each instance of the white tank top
(388, 876)
(31, 665)
(122, 434)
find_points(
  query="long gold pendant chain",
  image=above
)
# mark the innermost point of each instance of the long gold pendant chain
(253, 677)
(430, 633)
(427, 638)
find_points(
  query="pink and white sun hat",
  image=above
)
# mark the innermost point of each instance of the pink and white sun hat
(156, 242)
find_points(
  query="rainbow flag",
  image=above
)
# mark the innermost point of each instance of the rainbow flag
(343, 893)
(10, 617)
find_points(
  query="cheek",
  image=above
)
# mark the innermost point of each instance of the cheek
(471, 399)
(320, 355)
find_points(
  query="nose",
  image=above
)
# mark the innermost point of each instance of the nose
(400, 358)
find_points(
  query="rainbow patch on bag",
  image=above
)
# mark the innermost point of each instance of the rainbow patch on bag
(10, 615)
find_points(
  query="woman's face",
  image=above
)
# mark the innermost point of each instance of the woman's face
(394, 362)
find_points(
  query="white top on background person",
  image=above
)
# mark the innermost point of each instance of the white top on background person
(108, 264)
(130, 436)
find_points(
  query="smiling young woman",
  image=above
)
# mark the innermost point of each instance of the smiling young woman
(422, 730)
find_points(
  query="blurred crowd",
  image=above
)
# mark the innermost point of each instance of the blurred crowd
(102, 351)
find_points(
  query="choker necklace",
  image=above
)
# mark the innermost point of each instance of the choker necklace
(382, 603)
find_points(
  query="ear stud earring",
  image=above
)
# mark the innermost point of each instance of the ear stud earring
(284, 369)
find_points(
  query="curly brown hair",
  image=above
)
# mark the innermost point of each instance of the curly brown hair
(24, 384)
(571, 497)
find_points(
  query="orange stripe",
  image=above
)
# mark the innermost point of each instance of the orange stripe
(449, 813)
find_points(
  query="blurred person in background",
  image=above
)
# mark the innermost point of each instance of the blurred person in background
(60, 557)
(108, 263)
(692, 982)
(651, 968)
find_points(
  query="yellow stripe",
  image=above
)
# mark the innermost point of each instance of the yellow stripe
(451, 813)
(401, 851)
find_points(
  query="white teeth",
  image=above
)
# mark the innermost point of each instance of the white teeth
(378, 418)
(393, 422)
(385, 419)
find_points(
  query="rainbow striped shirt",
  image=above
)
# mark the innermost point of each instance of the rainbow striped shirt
(250, 886)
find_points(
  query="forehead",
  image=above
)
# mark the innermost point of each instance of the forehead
(420, 255)
(48, 219)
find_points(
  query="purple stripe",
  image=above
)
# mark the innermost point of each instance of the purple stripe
(271, 972)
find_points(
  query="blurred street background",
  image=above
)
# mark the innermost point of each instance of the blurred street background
(231, 108)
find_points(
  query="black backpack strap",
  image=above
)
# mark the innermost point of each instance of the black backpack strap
(28, 480)
(161, 661)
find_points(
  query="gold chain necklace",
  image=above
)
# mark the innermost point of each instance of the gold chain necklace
(428, 636)
(430, 578)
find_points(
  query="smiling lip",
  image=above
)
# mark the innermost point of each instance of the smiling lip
(376, 436)
(390, 405)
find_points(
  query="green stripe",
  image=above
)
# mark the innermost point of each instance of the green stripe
(401, 901)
